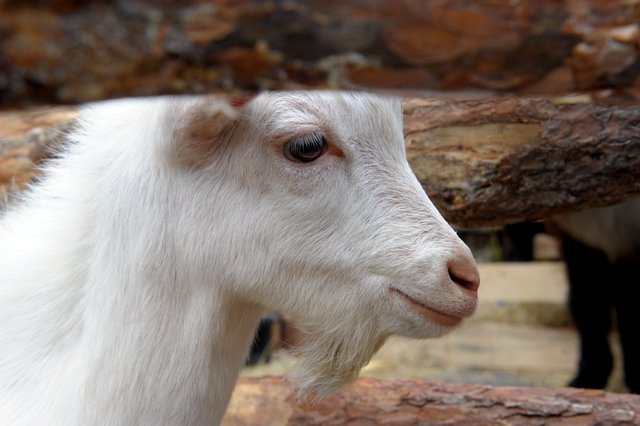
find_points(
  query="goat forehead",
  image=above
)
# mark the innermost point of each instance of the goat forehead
(320, 100)
(344, 113)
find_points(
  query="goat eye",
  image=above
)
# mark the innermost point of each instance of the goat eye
(305, 149)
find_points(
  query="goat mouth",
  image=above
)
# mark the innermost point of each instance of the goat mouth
(429, 314)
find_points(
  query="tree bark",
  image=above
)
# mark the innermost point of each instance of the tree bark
(268, 401)
(482, 162)
(489, 162)
(73, 51)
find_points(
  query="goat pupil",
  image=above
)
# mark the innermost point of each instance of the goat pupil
(305, 148)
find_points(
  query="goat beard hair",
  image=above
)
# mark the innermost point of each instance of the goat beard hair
(332, 357)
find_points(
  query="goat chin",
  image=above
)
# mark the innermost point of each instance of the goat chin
(326, 359)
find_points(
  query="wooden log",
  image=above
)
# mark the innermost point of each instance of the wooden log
(489, 162)
(483, 162)
(268, 401)
(70, 51)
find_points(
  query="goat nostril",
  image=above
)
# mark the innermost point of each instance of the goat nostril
(465, 274)
(465, 282)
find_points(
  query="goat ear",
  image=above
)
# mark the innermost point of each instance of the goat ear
(239, 100)
(207, 129)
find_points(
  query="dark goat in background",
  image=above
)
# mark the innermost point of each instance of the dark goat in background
(602, 250)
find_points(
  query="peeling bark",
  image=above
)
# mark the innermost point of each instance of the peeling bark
(268, 401)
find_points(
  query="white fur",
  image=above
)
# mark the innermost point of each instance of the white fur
(131, 282)
(615, 229)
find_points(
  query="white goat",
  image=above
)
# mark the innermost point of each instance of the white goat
(133, 277)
